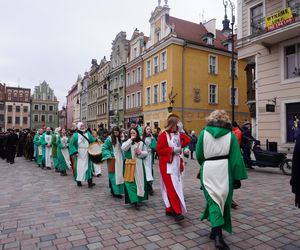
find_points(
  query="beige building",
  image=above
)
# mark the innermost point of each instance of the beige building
(269, 39)
(17, 115)
(76, 114)
(102, 109)
(92, 96)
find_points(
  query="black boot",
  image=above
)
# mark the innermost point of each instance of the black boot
(79, 183)
(90, 183)
(216, 234)
(150, 189)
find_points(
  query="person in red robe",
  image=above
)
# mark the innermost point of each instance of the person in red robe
(169, 148)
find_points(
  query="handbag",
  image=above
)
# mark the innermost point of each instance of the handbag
(111, 165)
(129, 170)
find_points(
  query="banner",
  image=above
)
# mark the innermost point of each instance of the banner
(279, 19)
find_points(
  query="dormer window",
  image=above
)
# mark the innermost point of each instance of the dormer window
(157, 35)
(209, 39)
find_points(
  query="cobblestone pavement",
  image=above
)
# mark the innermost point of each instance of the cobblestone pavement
(42, 210)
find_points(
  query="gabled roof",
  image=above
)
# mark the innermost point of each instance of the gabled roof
(194, 32)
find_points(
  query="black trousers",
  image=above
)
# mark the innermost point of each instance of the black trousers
(10, 153)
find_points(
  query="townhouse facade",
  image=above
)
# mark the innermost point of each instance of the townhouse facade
(76, 113)
(71, 105)
(117, 78)
(187, 71)
(269, 40)
(17, 108)
(84, 97)
(44, 107)
(2, 107)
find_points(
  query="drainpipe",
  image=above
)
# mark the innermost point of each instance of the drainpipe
(182, 81)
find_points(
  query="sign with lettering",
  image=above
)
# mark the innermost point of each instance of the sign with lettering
(279, 19)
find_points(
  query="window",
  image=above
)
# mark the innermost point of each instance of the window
(18, 108)
(148, 96)
(157, 36)
(43, 107)
(213, 66)
(9, 108)
(1, 106)
(50, 118)
(148, 73)
(256, 19)
(155, 64)
(295, 6)
(36, 107)
(139, 99)
(235, 68)
(128, 79)
(26, 97)
(121, 103)
(163, 92)
(50, 108)
(25, 120)
(155, 94)
(43, 118)
(15, 94)
(133, 100)
(48, 97)
(134, 52)
(134, 78)
(9, 119)
(17, 120)
(139, 74)
(293, 121)
(213, 94)
(1, 118)
(209, 40)
(36, 118)
(236, 96)
(292, 61)
(128, 102)
(9, 96)
(163, 60)
(25, 109)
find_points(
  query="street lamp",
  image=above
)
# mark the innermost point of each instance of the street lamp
(232, 7)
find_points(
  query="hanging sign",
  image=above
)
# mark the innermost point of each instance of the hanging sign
(279, 19)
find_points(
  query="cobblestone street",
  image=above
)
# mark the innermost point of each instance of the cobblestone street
(42, 210)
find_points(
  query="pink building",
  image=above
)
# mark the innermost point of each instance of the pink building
(71, 101)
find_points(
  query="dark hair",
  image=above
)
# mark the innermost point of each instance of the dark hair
(235, 124)
(138, 138)
(144, 132)
(113, 137)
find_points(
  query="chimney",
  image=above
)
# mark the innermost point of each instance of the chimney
(211, 26)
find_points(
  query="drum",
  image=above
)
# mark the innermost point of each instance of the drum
(95, 152)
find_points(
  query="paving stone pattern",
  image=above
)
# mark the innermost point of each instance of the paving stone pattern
(42, 210)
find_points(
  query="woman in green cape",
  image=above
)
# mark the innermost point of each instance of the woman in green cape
(63, 152)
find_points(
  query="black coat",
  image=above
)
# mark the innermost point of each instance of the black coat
(296, 168)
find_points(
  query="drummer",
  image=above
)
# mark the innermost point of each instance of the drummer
(112, 153)
(79, 149)
(97, 166)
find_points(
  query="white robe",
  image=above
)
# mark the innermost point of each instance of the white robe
(48, 139)
(148, 161)
(174, 170)
(119, 163)
(82, 162)
(65, 151)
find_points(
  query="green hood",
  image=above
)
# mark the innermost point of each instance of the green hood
(218, 128)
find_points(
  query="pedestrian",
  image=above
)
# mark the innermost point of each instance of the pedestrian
(102, 132)
(247, 139)
(63, 152)
(11, 145)
(150, 143)
(169, 147)
(39, 148)
(54, 143)
(112, 154)
(222, 168)
(295, 180)
(79, 149)
(97, 166)
(134, 124)
(46, 142)
(135, 181)
(192, 145)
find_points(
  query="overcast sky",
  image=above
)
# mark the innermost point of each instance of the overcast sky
(55, 40)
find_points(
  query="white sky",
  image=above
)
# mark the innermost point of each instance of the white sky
(55, 40)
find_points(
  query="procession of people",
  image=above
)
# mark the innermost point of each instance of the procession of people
(129, 157)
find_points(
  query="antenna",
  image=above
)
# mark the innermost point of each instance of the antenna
(202, 16)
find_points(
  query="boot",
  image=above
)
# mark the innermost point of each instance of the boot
(90, 183)
(216, 234)
(150, 189)
(178, 217)
(79, 183)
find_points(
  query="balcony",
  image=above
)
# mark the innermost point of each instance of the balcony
(276, 33)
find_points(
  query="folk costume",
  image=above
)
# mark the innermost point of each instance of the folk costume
(134, 175)
(222, 167)
(38, 149)
(150, 143)
(169, 148)
(114, 159)
(46, 142)
(79, 150)
(63, 154)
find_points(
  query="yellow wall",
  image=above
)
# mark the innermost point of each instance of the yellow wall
(195, 76)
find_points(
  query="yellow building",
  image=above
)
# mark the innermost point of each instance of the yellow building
(192, 62)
